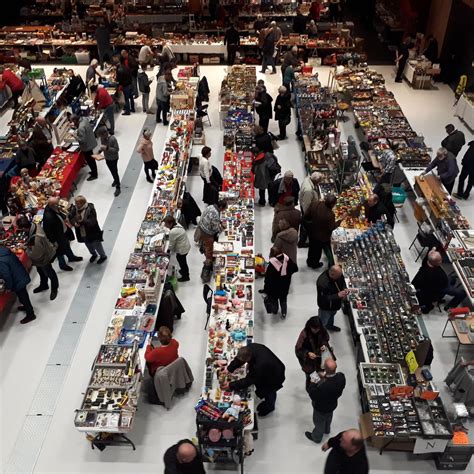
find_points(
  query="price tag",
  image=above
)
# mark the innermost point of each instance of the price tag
(411, 361)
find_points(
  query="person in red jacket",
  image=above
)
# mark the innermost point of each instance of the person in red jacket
(104, 101)
(163, 355)
(15, 84)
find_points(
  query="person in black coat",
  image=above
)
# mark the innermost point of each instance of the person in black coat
(454, 141)
(332, 290)
(403, 53)
(263, 140)
(375, 209)
(84, 218)
(25, 157)
(263, 106)
(41, 140)
(467, 171)
(232, 40)
(278, 278)
(283, 110)
(283, 187)
(431, 49)
(55, 228)
(125, 80)
(324, 395)
(183, 458)
(299, 23)
(264, 370)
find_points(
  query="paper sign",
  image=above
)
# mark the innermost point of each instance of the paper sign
(411, 361)
(423, 446)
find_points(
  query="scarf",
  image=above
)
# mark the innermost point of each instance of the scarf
(280, 265)
(80, 216)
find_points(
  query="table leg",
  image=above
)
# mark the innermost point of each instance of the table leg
(457, 353)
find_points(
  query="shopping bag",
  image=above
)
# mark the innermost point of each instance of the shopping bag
(271, 304)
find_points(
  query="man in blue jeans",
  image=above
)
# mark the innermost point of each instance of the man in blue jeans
(264, 370)
(332, 291)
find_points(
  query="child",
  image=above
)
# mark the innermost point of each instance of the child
(144, 87)
(145, 148)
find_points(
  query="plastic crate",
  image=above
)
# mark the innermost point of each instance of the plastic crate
(399, 195)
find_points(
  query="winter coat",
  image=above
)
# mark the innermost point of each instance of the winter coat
(289, 60)
(468, 159)
(270, 38)
(144, 82)
(25, 158)
(275, 284)
(308, 193)
(124, 75)
(210, 222)
(42, 252)
(322, 221)
(39, 142)
(85, 135)
(89, 229)
(447, 168)
(111, 153)
(263, 142)
(325, 393)
(55, 229)
(283, 107)
(178, 240)
(289, 75)
(454, 142)
(328, 290)
(264, 109)
(261, 170)
(307, 343)
(162, 90)
(277, 189)
(289, 213)
(264, 370)
(287, 242)
(145, 149)
(12, 271)
(172, 466)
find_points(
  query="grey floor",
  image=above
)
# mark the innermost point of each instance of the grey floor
(52, 443)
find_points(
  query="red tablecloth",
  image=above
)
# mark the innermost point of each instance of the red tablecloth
(6, 299)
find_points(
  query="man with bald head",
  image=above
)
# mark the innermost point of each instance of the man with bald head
(55, 228)
(324, 395)
(183, 458)
(347, 455)
(432, 284)
(332, 290)
(375, 210)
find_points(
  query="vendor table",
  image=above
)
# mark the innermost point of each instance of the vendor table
(465, 110)
(5, 164)
(462, 332)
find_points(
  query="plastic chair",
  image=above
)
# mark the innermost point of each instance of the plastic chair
(207, 294)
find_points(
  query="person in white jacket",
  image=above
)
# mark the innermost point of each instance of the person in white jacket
(179, 243)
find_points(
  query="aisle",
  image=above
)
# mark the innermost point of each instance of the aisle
(281, 447)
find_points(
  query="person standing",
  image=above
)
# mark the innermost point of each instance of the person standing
(87, 142)
(283, 110)
(321, 223)
(312, 342)
(286, 239)
(163, 93)
(324, 395)
(163, 355)
(447, 167)
(145, 149)
(309, 192)
(55, 228)
(131, 63)
(102, 38)
(83, 217)
(375, 210)
(403, 53)
(92, 72)
(232, 40)
(467, 171)
(179, 243)
(15, 278)
(144, 87)
(278, 279)
(41, 253)
(388, 163)
(264, 370)
(454, 141)
(110, 148)
(335, 10)
(42, 140)
(289, 78)
(25, 157)
(299, 23)
(332, 290)
(212, 183)
(290, 59)
(183, 458)
(263, 107)
(289, 213)
(15, 84)
(347, 455)
(145, 56)
(282, 188)
(269, 47)
(263, 140)
(125, 81)
(263, 167)
(104, 101)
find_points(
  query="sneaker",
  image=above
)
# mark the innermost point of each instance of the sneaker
(333, 328)
(308, 436)
(67, 268)
(283, 315)
(101, 260)
(28, 318)
(53, 295)
(182, 279)
(91, 178)
(40, 288)
(117, 192)
(76, 259)
(93, 259)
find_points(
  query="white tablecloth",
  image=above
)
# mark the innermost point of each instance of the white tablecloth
(465, 111)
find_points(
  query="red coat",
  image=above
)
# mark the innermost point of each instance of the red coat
(13, 81)
(102, 98)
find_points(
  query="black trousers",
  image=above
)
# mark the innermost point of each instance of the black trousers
(150, 165)
(261, 196)
(263, 122)
(449, 186)
(183, 264)
(24, 299)
(164, 107)
(315, 251)
(401, 68)
(231, 53)
(470, 182)
(282, 125)
(15, 96)
(47, 272)
(112, 165)
(91, 163)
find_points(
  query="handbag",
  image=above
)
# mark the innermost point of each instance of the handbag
(274, 168)
(271, 304)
